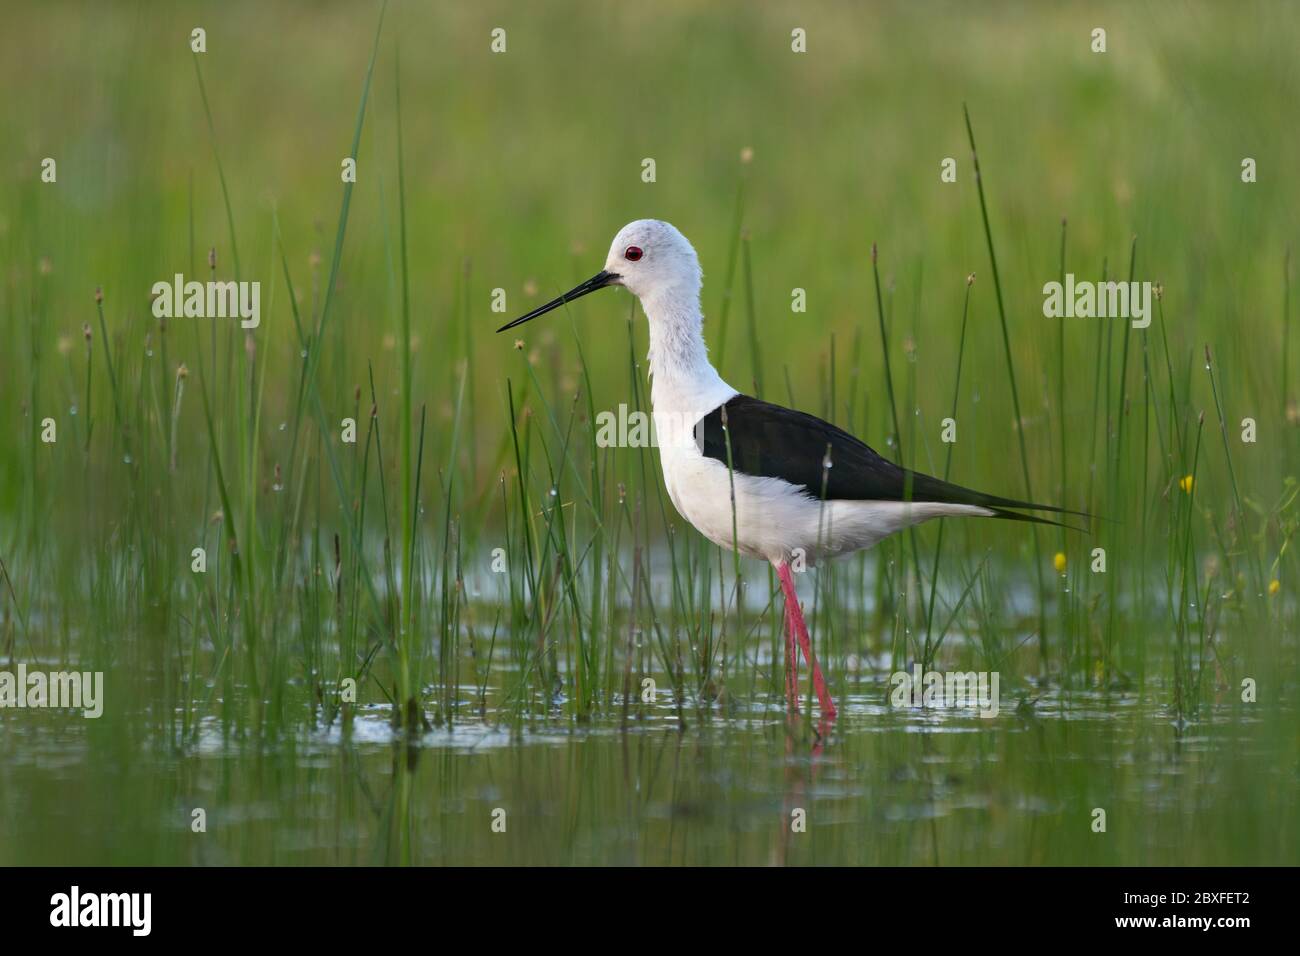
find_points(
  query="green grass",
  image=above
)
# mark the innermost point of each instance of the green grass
(378, 561)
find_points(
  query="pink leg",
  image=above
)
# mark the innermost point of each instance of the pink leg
(791, 663)
(795, 615)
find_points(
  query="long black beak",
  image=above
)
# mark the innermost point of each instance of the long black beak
(598, 281)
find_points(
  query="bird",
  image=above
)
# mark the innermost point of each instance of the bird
(752, 476)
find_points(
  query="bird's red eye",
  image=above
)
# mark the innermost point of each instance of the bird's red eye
(632, 253)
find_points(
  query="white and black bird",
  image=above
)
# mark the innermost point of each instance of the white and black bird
(802, 487)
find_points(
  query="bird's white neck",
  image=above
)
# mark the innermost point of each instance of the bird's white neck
(682, 377)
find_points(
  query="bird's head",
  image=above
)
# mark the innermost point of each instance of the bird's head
(648, 257)
(651, 257)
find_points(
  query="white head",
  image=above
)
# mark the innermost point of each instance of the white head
(649, 258)
(652, 259)
(654, 262)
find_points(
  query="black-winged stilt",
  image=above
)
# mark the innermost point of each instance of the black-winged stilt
(802, 487)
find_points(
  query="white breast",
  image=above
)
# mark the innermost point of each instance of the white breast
(776, 520)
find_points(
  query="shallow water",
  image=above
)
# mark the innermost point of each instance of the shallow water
(739, 784)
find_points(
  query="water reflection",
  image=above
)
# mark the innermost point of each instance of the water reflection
(739, 782)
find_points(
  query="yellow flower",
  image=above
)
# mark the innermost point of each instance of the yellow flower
(1274, 586)
(1185, 483)
(1059, 562)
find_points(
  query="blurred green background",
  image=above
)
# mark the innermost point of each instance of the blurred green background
(521, 166)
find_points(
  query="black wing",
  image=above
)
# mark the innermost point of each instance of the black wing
(774, 442)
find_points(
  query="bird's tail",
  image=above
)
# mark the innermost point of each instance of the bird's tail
(1038, 519)
(926, 488)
